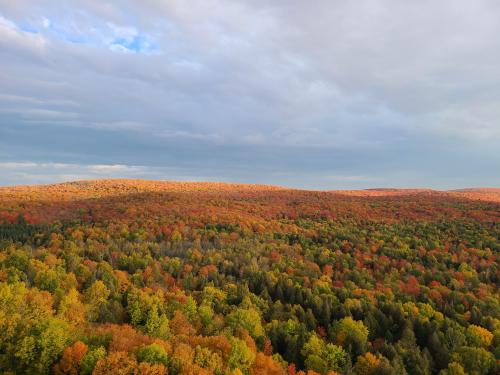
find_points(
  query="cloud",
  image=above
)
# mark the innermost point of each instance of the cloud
(129, 40)
(372, 88)
(12, 37)
(35, 173)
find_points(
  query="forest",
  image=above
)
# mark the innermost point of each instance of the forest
(146, 277)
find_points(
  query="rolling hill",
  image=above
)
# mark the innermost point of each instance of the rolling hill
(157, 277)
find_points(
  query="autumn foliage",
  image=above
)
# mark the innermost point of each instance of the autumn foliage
(147, 277)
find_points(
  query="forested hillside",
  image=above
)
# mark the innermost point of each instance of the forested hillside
(142, 277)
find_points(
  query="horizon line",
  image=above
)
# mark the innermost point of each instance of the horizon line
(227, 182)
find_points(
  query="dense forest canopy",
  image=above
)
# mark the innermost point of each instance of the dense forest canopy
(142, 277)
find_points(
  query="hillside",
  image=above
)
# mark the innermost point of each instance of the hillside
(115, 199)
(101, 188)
(157, 277)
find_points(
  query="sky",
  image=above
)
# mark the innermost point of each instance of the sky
(325, 94)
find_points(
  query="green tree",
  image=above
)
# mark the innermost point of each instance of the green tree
(352, 335)
(475, 361)
(241, 357)
(248, 319)
(32, 338)
(153, 354)
(453, 368)
(157, 325)
(96, 298)
(88, 362)
(322, 358)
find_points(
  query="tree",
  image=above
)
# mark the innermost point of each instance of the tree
(125, 338)
(475, 361)
(367, 364)
(322, 358)
(206, 314)
(180, 325)
(157, 325)
(90, 359)
(478, 336)
(96, 297)
(32, 337)
(352, 335)
(70, 361)
(454, 368)
(241, 356)
(266, 365)
(182, 358)
(206, 358)
(135, 313)
(116, 363)
(71, 308)
(153, 354)
(416, 361)
(248, 319)
(148, 369)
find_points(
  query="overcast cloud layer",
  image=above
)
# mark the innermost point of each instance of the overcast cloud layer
(324, 94)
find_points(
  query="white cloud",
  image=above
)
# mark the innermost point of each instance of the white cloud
(128, 34)
(28, 172)
(46, 22)
(11, 36)
(114, 168)
(17, 165)
(33, 172)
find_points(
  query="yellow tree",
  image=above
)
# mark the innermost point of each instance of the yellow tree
(96, 298)
(71, 308)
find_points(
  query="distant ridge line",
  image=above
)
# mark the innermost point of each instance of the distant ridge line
(128, 186)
